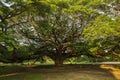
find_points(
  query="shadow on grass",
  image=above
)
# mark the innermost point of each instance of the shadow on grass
(25, 76)
(65, 72)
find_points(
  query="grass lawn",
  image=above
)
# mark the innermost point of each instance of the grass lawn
(65, 72)
(25, 76)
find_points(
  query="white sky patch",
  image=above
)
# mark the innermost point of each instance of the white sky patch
(101, 12)
(106, 51)
(7, 4)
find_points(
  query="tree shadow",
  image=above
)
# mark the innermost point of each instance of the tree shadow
(11, 70)
(107, 71)
(86, 69)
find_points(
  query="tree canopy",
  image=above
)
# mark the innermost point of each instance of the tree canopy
(31, 29)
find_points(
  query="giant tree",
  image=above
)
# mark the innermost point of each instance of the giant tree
(54, 28)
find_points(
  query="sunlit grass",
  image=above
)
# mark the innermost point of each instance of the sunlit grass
(25, 76)
(115, 71)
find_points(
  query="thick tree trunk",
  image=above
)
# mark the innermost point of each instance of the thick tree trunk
(58, 62)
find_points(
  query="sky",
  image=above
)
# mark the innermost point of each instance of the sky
(6, 4)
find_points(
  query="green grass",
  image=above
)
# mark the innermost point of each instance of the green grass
(27, 76)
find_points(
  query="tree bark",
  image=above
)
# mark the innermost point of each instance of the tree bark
(58, 62)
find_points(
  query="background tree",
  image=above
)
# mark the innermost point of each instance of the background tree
(104, 39)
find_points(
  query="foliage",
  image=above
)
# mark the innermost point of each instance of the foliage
(32, 29)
